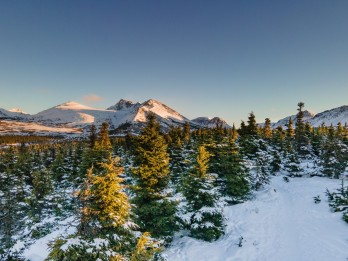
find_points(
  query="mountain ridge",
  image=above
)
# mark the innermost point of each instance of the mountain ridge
(124, 114)
(73, 115)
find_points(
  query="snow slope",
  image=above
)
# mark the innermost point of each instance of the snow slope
(12, 114)
(26, 128)
(328, 117)
(307, 115)
(281, 223)
(73, 114)
(332, 116)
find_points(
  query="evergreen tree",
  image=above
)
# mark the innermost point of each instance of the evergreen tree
(99, 153)
(292, 163)
(302, 140)
(92, 136)
(105, 218)
(276, 162)
(267, 129)
(186, 132)
(252, 128)
(12, 214)
(234, 133)
(103, 137)
(155, 213)
(290, 132)
(249, 137)
(203, 216)
(260, 173)
(234, 173)
(333, 159)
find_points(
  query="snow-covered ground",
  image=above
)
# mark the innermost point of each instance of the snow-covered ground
(282, 222)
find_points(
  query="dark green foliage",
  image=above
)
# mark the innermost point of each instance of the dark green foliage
(203, 217)
(333, 156)
(260, 172)
(276, 162)
(234, 173)
(339, 200)
(301, 135)
(151, 176)
(92, 137)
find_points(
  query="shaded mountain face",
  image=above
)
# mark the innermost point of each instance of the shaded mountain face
(123, 105)
(206, 122)
(12, 115)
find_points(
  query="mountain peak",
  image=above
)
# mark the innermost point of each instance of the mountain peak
(211, 122)
(72, 105)
(121, 105)
(17, 110)
(152, 102)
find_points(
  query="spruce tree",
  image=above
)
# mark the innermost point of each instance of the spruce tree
(202, 215)
(252, 128)
(234, 174)
(154, 212)
(333, 156)
(290, 132)
(186, 132)
(92, 136)
(301, 138)
(105, 218)
(267, 129)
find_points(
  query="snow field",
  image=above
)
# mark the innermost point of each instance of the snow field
(282, 222)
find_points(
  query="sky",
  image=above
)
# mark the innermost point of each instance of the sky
(202, 57)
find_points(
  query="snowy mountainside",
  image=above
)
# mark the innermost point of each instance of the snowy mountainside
(328, 117)
(72, 114)
(75, 115)
(211, 122)
(18, 110)
(332, 116)
(158, 109)
(123, 105)
(307, 115)
(12, 115)
(9, 127)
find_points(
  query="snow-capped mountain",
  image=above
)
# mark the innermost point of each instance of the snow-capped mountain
(307, 115)
(328, 117)
(137, 112)
(123, 105)
(332, 116)
(12, 115)
(73, 117)
(18, 110)
(73, 114)
(211, 122)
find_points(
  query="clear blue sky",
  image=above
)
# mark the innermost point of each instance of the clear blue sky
(202, 58)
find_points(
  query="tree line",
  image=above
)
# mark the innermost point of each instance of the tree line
(126, 197)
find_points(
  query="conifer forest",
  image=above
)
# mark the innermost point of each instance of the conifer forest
(126, 197)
